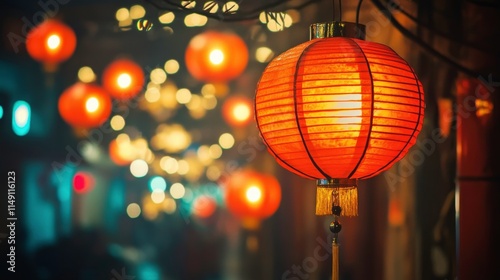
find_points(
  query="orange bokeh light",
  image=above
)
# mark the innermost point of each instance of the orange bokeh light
(121, 154)
(238, 111)
(216, 56)
(51, 42)
(252, 195)
(123, 79)
(84, 105)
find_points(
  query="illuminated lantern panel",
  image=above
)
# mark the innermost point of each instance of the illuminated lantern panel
(237, 111)
(83, 182)
(339, 108)
(123, 79)
(249, 194)
(216, 57)
(84, 105)
(204, 206)
(51, 42)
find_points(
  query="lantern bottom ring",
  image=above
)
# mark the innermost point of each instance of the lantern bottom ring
(337, 192)
(336, 183)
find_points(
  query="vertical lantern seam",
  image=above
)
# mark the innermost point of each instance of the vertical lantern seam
(296, 109)
(368, 138)
(270, 149)
(417, 123)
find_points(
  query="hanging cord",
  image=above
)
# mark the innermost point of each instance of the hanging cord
(358, 9)
(340, 10)
(251, 14)
(335, 228)
(426, 47)
(437, 31)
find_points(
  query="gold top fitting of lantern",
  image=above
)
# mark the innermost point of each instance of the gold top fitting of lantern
(336, 29)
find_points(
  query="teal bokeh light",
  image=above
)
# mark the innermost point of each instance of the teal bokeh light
(157, 183)
(21, 118)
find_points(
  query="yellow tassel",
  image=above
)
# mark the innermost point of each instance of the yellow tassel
(341, 192)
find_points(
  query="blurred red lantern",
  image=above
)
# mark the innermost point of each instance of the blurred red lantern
(84, 105)
(237, 111)
(216, 57)
(51, 42)
(204, 206)
(250, 194)
(123, 79)
(339, 109)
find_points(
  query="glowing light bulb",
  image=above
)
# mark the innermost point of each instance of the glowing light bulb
(92, 105)
(253, 194)
(53, 42)
(216, 57)
(124, 80)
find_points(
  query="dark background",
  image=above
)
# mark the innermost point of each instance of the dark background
(408, 229)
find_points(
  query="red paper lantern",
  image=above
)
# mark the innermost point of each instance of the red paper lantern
(84, 105)
(339, 109)
(237, 111)
(51, 42)
(216, 57)
(123, 79)
(249, 194)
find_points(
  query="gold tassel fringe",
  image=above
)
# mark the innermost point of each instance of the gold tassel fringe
(341, 192)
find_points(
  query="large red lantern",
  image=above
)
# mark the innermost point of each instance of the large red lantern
(252, 195)
(51, 42)
(216, 56)
(84, 105)
(338, 109)
(123, 79)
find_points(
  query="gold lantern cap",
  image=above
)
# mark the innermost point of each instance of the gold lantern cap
(336, 29)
